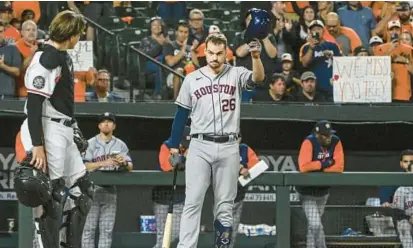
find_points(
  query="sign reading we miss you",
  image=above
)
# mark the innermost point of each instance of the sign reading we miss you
(82, 56)
(362, 79)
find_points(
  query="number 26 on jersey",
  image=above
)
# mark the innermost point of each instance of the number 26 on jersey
(228, 105)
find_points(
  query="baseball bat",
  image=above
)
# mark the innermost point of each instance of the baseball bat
(167, 234)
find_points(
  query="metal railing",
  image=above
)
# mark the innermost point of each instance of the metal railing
(283, 181)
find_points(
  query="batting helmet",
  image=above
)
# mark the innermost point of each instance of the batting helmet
(32, 186)
(259, 26)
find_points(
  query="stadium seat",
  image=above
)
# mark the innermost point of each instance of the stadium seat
(200, 5)
(132, 35)
(140, 22)
(113, 23)
(125, 11)
(229, 5)
(212, 21)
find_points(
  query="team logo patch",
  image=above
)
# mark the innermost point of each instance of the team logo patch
(39, 82)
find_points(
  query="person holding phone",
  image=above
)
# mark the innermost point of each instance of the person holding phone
(317, 56)
(105, 153)
(401, 62)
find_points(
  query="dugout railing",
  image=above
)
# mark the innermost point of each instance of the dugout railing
(284, 210)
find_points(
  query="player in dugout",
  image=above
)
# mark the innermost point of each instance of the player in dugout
(248, 159)
(321, 151)
(161, 195)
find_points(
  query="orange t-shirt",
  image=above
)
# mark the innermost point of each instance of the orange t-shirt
(12, 32)
(289, 6)
(201, 52)
(25, 52)
(82, 79)
(20, 6)
(350, 33)
(401, 89)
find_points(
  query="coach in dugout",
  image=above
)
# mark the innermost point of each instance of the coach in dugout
(161, 195)
(321, 151)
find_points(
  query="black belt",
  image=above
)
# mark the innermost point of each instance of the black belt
(216, 139)
(66, 122)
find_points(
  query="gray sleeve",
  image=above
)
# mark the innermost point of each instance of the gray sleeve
(244, 76)
(184, 98)
(125, 151)
(398, 198)
(88, 156)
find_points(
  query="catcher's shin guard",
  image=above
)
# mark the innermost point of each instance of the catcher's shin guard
(223, 235)
(75, 218)
(48, 224)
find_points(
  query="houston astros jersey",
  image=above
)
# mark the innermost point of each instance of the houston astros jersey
(50, 74)
(214, 100)
(403, 199)
(99, 150)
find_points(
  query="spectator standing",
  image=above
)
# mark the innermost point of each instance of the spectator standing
(152, 45)
(401, 62)
(171, 11)
(359, 18)
(308, 92)
(29, 14)
(401, 13)
(20, 6)
(6, 14)
(198, 31)
(105, 153)
(317, 56)
(321, 151)
(324, 7)
(344, 37)
(285, 36)
(161, 195)
(27, 47)
(306, 17)
(180, 56)
(10, 65)
(276, 92)
(292, 80)
(101, 92)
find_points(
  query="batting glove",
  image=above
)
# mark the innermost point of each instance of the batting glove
(177, 161)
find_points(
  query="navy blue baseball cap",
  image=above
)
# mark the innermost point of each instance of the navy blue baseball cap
(107, 116)
(324, 127)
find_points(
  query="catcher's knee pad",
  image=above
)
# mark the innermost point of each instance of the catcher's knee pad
(76, 217)
(49, 223)
(223, 235)
(32, 186)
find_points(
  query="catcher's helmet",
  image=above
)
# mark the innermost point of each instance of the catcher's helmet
(32, 186)
(260, 25)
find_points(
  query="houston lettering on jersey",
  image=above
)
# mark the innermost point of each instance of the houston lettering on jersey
(215, 88)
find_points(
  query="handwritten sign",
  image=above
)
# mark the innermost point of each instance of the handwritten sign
(362, 79)
(82, 56)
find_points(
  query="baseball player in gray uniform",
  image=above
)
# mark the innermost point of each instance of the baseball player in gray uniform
(213, 95)
(105, 153)
(403, 201)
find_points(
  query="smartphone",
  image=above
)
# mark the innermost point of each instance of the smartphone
(394, 37)
(316, 36)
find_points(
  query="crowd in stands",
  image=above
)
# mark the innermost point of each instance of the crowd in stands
(297, 54)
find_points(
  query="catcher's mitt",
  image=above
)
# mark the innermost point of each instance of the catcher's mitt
(80, 142)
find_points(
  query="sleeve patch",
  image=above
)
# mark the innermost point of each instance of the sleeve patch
(39, 82)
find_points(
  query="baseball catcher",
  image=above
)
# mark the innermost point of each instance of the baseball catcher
(46, 141)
